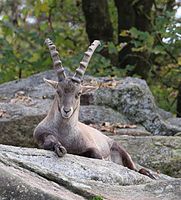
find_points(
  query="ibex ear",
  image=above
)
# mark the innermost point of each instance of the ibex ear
(86, 89)
(53, 84)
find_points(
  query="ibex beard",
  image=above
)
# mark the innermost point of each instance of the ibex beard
(61, 131)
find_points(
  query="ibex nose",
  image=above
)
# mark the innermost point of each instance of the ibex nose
(66, 110)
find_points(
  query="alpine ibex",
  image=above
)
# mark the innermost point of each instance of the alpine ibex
(61, 132)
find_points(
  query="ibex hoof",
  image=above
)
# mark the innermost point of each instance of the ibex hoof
(147, 173)
(60, 150)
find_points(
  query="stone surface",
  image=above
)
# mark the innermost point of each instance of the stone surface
(164, 114)
(156, 152)
(16, 127)
(175, 121)
(178, 134)
(130, 97)
(20, 184)
(24, 103)
(39, 174)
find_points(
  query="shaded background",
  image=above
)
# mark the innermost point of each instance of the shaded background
(141, 38)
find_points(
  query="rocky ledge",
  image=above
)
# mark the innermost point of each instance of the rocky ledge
(29, 173)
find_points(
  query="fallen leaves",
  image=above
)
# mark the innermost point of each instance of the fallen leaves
(21, 98)
(110, 83)
(112, 127)
(3, 113)
(107, 83)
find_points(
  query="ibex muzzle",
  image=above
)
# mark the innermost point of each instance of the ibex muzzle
(60, 130)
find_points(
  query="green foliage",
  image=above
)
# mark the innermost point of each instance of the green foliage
(166, 68)
(163, 45)
(142, 41)
(166, 96)
(97, 198)
(22, 49)
(22, 43)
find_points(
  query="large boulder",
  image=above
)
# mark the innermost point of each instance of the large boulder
(39, 174)
(132, 98)
(25, 102)
(19, 121)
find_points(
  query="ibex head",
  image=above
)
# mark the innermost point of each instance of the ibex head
(69, 89)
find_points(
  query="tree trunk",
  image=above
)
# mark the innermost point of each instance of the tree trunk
(130, 15)
(98, 23)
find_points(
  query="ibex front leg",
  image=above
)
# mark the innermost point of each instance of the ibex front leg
(50, 142)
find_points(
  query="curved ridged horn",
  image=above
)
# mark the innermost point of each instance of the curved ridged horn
(85, 61)
(56, 60)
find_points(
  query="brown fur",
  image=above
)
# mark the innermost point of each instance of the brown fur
(62, 133)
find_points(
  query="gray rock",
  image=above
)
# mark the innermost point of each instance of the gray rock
(99, 114)
(20, 184)
(26, 102)
(29, 85)
(131, 97)
(175, 121)
(139, 131)
(157, 152)
(178, 134)
(164, 114)
(20, 120)
(39, 174)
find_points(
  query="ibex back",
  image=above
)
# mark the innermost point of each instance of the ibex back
(61, 131)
